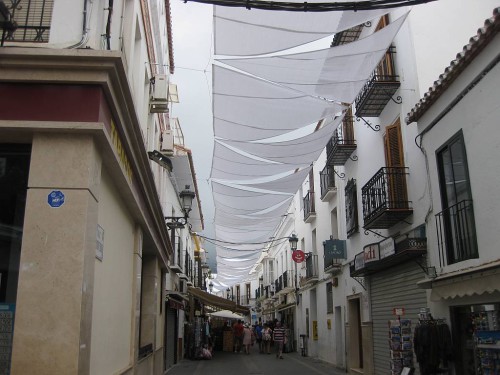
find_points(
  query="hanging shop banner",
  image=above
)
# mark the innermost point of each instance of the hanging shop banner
(335, 249)
(387, 248)
(371, 253)
(298, 256)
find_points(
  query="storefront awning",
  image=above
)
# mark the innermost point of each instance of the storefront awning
(474, 281)
(218, 302)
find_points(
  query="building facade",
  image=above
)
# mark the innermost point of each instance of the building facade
(90, 167)
(370, 217)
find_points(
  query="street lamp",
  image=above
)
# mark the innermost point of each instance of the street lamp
(228, 291)
(294, 240)
(211, 287)
(187, 197)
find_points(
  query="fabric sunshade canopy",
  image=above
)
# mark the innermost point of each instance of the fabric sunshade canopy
(217, 301)
(261, 105)
(242, 32)
(229, 165)
(337, 73)
(305, 149)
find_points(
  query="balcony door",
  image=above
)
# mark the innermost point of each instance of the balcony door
(394, 160)
(386, 66)
(456, 199)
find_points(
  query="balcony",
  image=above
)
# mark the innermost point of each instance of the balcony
(285, 283)
(334, 251)
(456, 233)
(347, 36)
(342, 144)
(244, 300)
(327, 182)
(387, 254)
(379, 89)
(311, 275)
(309, 207)
(385, 198)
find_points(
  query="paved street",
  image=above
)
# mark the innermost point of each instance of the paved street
(254, 364)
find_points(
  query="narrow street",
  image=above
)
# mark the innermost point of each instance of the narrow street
(255, 364)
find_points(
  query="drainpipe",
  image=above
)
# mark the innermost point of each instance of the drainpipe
(85, 34)
(108, 24)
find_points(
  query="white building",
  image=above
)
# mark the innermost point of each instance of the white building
(379, 199)
(87, 176)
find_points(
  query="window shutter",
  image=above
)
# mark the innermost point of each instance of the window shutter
(398, 193)
(347, 128)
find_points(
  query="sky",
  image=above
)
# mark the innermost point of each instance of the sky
(192, 44)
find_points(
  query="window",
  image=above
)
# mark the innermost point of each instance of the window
(329, 298)
(456, 228)
(33, 18)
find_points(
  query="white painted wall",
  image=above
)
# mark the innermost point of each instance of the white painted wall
(113, 293)
(477, 116)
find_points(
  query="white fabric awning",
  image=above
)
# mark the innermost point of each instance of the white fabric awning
(262, 105)
(242, 32)
(301, 150)
(472, 282)
(338, 73)
(229, 165)
(288, 184)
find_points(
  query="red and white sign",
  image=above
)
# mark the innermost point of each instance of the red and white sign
(298, 256)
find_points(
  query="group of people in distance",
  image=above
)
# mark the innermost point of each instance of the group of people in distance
(270, 333)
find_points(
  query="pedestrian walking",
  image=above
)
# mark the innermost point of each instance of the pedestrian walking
(248, 340)
(238, 336)
(266, 338)
(258, 336)
(279, 337)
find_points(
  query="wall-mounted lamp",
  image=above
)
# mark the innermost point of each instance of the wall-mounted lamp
(293, 239)
(211, 287)
(161, 159)
(187, 197)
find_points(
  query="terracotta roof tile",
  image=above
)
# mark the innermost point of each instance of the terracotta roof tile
(464, 58)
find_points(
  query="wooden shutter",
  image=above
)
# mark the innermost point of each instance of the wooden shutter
(385, 68)
(398, 195)
(347, 128)
(311, 190)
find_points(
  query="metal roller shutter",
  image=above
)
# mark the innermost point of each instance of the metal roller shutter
(395, 287)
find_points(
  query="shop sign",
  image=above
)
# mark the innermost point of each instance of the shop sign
(371, 253)
(387, 248)
(359, 261)
(335, 249)
(315, 330)
(298, 256)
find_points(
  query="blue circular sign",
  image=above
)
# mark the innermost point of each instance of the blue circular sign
(55, 198)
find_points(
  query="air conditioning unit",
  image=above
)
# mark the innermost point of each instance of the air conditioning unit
(158, 101)
(160, 88)
(167, 142)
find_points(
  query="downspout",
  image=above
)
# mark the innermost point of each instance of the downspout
(85, 34)
(108, 25)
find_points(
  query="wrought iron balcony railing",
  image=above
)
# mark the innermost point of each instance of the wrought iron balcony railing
(327, 182)
(385, 198)
(309, 207)
(311, 268)
(456, 233)
(342, 144)
(379, 89)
